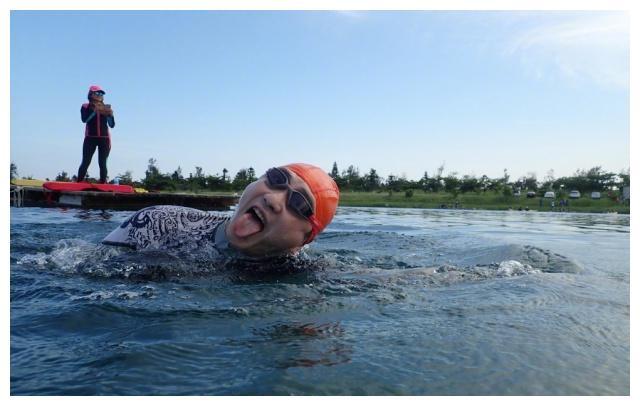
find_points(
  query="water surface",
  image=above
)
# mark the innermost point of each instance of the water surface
(386, 301)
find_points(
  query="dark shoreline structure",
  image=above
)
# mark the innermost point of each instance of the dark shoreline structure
(31, 196)
(25, 196)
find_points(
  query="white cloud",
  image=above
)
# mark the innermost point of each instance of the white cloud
(593, 47)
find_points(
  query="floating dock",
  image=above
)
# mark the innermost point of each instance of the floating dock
(28, 196)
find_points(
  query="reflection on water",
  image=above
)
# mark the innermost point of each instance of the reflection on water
(308, 345)
(92, 214)
(386, 301)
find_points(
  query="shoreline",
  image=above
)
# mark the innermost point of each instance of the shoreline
(417, 200)
(624, 210)
(481, 202)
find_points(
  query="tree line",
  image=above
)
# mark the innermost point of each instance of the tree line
(350, 179)
(155, 180)
(591, 180)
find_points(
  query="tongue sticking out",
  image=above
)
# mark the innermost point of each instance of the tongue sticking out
(247, 225)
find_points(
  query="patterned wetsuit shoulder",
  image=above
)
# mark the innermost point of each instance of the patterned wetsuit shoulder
(164, 227)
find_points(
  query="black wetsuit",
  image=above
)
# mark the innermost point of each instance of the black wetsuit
(96, 135)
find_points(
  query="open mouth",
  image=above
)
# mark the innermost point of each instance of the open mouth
(250, 223)
(258, 216)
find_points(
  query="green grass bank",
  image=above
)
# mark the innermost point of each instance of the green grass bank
(479, 201)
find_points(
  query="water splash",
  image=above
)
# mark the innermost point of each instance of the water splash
(76, 256)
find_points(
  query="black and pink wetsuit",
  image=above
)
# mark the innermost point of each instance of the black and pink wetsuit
(96, 135)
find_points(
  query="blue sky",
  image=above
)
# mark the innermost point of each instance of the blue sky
(401, 92)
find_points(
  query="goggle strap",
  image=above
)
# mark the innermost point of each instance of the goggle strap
(315, 228)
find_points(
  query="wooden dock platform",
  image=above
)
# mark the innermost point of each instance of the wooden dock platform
(25, 196)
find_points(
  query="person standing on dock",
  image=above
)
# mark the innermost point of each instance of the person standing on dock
(98, 117)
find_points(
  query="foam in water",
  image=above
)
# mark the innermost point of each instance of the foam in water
(79, 256)
(512, 268)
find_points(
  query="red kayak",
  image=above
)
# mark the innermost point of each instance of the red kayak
(86, 187)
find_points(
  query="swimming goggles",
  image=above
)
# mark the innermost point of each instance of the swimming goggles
(297, 202)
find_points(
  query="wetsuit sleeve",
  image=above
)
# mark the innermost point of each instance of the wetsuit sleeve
(111, 121)
(86, 113)
(158, 227)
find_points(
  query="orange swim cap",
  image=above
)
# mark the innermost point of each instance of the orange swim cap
(324, 190)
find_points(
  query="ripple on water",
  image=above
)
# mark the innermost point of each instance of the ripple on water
(413, 302)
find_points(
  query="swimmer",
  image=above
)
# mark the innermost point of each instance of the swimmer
(283, 210)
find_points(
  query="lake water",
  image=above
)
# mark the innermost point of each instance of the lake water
(386, 301)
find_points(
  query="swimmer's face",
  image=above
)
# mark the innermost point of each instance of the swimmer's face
(263, 224)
